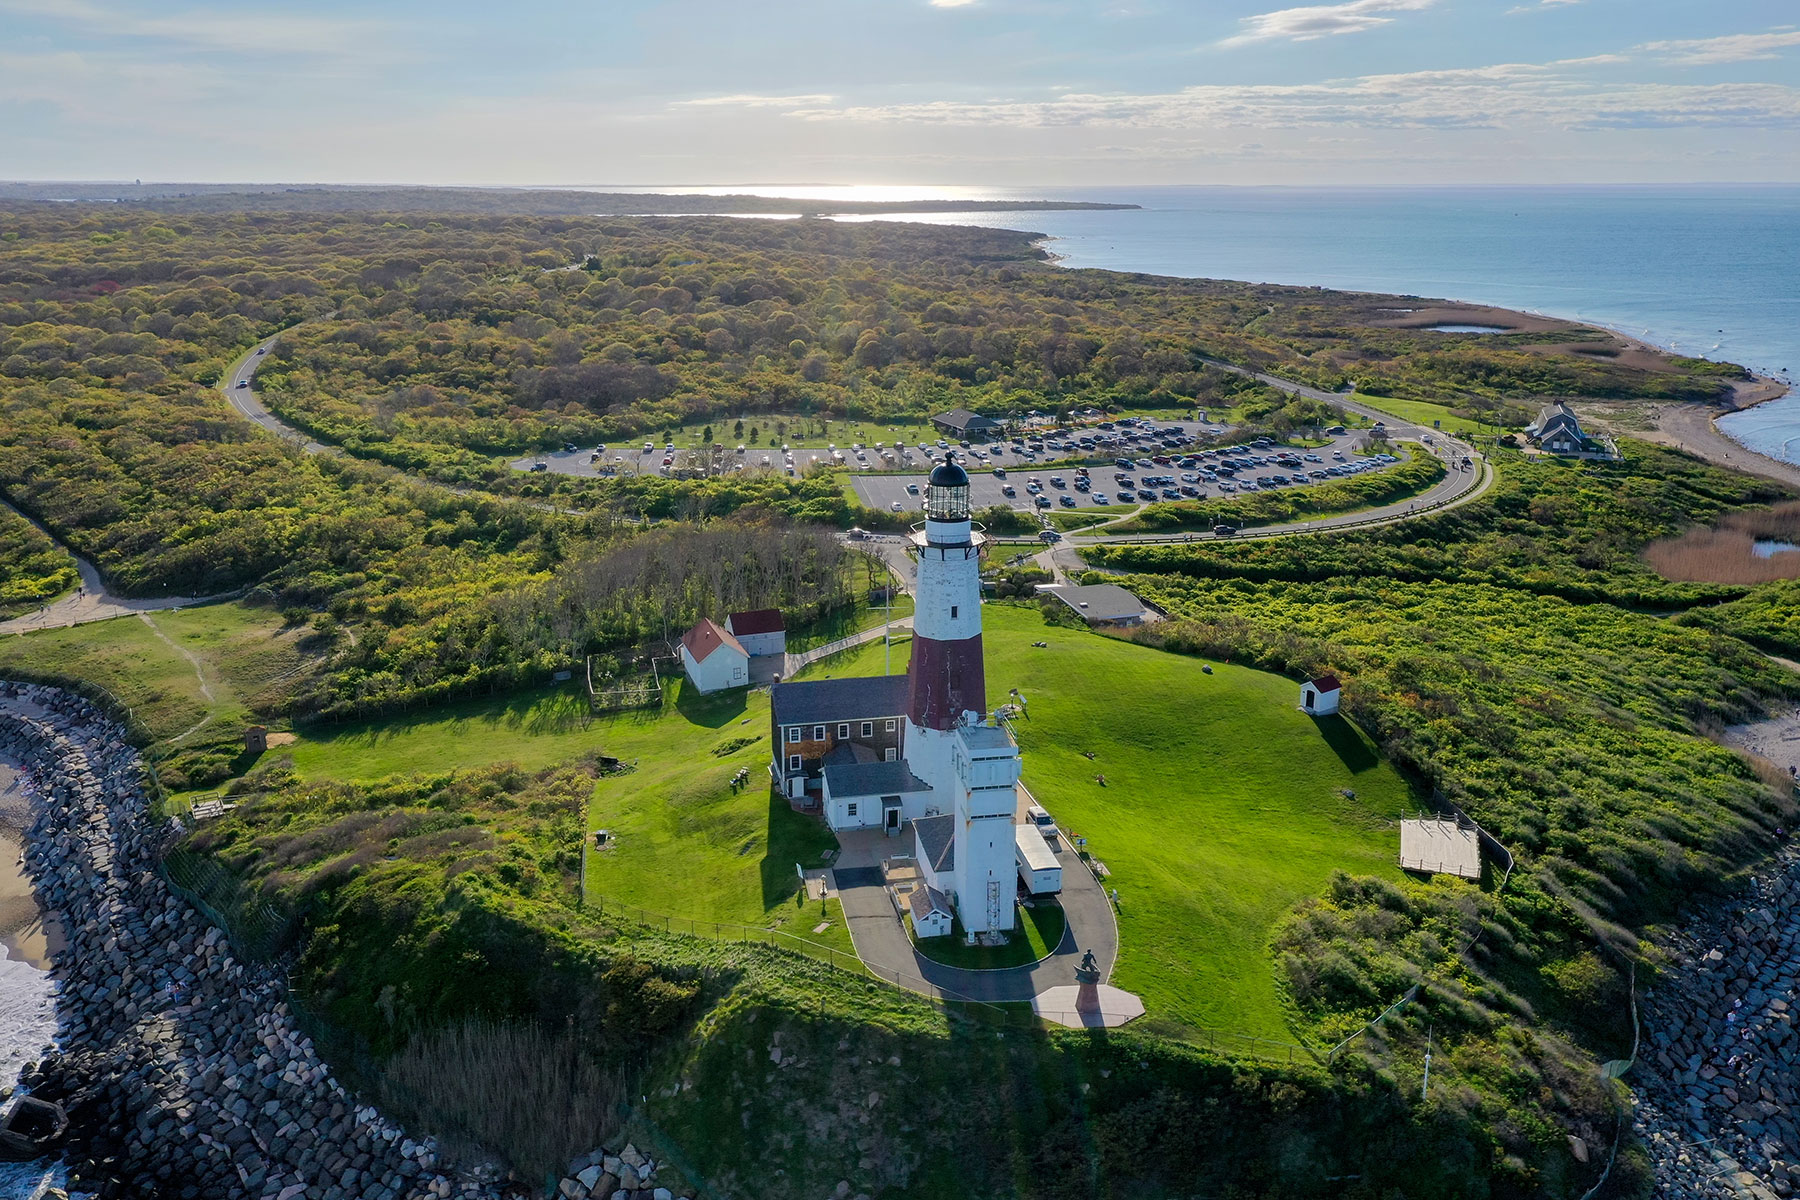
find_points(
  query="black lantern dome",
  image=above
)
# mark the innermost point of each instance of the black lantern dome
(947, 496)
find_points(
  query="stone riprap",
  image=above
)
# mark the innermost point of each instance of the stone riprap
(1717, 1077)
(182, 1068)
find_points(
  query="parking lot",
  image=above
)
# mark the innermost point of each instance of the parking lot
(1125, 438)
(1186, 476)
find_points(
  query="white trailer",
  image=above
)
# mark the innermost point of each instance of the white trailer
(1038, 869)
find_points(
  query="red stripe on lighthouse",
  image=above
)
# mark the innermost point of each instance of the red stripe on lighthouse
(946, 680)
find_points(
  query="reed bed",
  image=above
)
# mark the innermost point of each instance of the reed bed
(530, 1095)
(1725, 553)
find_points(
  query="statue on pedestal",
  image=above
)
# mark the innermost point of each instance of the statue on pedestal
(1087, 975)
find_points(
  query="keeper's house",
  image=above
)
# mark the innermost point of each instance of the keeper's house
(837, 723)
(713, 659)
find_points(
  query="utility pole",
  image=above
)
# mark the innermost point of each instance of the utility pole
(1427, 1081)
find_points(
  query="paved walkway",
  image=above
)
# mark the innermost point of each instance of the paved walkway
(807, 657)
(89, 602)
(881, 941)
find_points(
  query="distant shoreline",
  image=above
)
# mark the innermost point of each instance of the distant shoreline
(515, 201)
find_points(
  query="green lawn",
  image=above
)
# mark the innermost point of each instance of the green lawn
(1424, 412)
(242, 656)
(1221, 809)
(1223, 803)
(1039, 932)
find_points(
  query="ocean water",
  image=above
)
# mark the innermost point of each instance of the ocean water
(1708, 271)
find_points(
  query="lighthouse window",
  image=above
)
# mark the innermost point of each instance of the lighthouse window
(953, 612)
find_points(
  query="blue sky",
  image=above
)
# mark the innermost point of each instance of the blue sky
(984, 93)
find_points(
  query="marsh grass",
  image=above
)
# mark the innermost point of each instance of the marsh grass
(1724, 552)
(533, 1096)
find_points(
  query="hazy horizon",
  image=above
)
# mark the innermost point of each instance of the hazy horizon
(1042, 94)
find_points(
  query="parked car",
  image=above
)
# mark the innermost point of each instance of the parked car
(912, 489)
(1224, 531)
(1067, 501)
(540, 466)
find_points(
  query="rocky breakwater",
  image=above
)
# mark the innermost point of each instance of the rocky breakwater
(182, 1070)
(1718, 1075)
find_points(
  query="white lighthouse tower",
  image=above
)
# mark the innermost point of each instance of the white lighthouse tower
(950, 743)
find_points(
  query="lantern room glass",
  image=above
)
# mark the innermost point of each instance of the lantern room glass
(947, 503)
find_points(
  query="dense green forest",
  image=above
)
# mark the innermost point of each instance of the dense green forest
(37, 569)
(1514, 653)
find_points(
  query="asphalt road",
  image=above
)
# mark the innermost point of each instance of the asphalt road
(881, 941)
(237, 389)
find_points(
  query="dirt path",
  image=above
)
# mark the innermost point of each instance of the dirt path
(199, 673)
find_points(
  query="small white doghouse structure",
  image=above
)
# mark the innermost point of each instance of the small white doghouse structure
(1440, 845)
(930, 911)
(1319, 697)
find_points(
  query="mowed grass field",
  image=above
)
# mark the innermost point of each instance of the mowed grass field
(685, 842)
(1224, 804)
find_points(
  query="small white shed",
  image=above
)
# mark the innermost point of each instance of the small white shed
(713, 659)
(1319, 697)
(930, 911)
(760, 631)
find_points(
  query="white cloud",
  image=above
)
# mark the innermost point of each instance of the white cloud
(951, 3)
(749, 100)
(1732, 48)
(219, 31)
(1516, 96)
(1321, 20)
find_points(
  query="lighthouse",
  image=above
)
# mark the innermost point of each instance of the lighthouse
(968, 761)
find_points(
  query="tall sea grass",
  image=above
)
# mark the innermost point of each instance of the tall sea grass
(530, 1095)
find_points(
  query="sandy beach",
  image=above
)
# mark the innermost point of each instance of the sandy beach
(1690, 428)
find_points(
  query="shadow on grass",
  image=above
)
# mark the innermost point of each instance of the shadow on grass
(1348, 743)
(792, 838)
(714, 711)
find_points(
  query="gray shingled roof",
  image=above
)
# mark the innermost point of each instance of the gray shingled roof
(871, 779)
(924, 899)
(1100, 601)
(936, 837)
(823, 701)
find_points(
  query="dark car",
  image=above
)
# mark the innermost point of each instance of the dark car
(1067, 501)
(999, 472)
(540, 466)
(1224, 530)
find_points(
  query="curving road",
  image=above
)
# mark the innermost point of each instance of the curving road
(91, 601)
(881, 941)
(236, 386)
